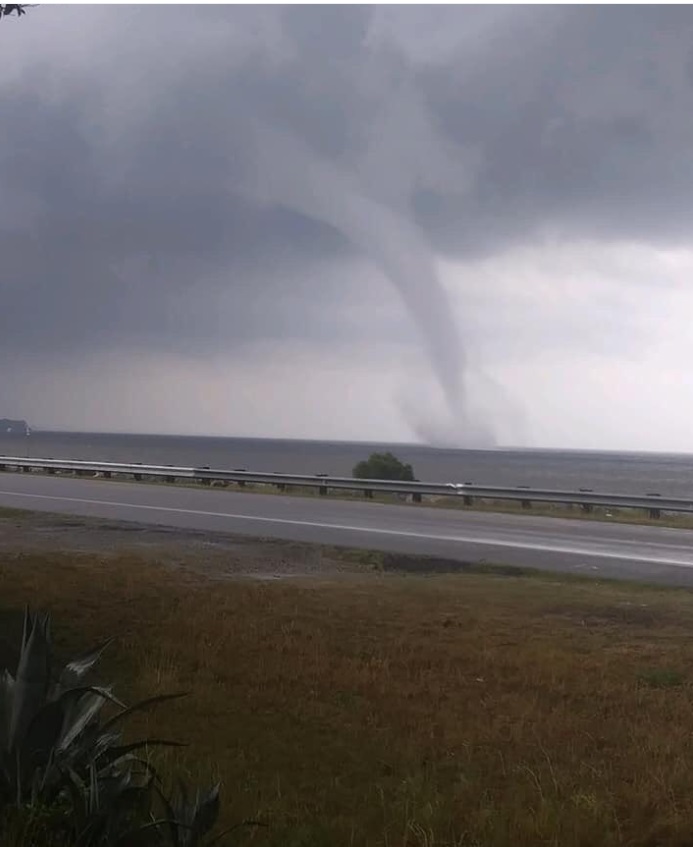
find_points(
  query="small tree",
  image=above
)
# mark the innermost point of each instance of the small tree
(383, 466)
(7, 9)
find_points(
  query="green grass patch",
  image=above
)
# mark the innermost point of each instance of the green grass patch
(662, 678)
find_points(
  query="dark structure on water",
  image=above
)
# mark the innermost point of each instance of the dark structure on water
(10, 427)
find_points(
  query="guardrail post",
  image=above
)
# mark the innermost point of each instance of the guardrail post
(416, 497)
(241, 482)
(467, 499)
(26, 468)
(51, 471)
(137, 476)
(368, 493)
(655, 513)
(526, 504)
(586, 507)
(3, 468)
(323, 486)
(281, 486)
(107, 475)
(205, 481)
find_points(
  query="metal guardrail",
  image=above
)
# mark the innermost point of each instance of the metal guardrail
(653, 503)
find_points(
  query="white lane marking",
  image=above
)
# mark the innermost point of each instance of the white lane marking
(466, 539)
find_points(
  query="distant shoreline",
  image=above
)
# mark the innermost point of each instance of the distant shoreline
(505, 448)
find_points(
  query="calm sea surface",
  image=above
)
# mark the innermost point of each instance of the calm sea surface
(638, 473)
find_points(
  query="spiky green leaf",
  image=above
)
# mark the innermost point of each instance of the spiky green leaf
(6, 698)
(77, 668)
(143, 705)
(78, 714)
(32, 679)
(206, 812)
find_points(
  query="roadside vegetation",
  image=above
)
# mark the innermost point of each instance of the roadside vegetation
(389, 710)
(383, 466)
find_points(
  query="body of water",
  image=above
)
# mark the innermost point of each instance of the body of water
(637, 473)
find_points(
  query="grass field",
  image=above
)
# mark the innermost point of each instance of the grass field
(398, 710)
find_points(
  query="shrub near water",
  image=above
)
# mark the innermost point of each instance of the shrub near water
(383, 466)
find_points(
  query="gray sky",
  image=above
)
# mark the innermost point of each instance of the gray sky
(464, 225)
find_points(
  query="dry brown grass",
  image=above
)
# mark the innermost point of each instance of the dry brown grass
(392, 711)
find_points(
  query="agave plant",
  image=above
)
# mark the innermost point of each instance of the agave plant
(70, 767)
(55, 747)
(66, 763)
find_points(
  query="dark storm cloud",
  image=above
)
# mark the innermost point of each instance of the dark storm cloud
(122, 208)
(584, 122)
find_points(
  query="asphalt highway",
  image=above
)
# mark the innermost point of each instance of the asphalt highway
(601, 549)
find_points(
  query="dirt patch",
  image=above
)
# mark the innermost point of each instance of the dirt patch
(405, 563)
